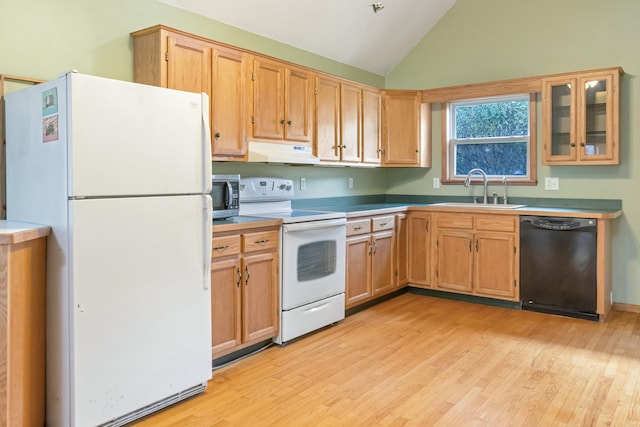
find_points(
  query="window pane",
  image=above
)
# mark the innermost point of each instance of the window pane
(492, 119)
(503, 159)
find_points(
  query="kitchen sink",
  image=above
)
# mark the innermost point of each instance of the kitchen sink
(477, 205)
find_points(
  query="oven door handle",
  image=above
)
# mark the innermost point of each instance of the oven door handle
(313, 225)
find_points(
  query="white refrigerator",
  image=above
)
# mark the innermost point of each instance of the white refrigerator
(121, 172)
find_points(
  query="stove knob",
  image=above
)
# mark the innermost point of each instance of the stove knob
(282, 186)
(289, 187)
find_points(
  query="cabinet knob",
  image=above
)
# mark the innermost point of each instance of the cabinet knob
(282, 122)
(573, 144)
(289, 122)
(217, 135)
(582, 144)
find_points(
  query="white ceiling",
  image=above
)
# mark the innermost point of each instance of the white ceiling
(347, 31)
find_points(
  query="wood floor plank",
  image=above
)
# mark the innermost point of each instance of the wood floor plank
(421, 361)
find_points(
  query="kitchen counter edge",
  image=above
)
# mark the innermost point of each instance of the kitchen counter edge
(14, 232)
(241, 223)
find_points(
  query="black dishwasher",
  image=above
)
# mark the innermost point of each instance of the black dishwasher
(558, 266)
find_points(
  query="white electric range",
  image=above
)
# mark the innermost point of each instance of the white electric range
(312, 256)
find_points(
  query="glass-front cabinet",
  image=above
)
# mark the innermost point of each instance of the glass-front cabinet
(580, 118)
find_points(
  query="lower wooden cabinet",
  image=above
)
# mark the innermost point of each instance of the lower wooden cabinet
(402, 251)
(23, 258)
(244, 289)
(476, 254)
(419, 249)
(370, 258)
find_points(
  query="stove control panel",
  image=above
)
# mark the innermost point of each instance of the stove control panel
(263, 189)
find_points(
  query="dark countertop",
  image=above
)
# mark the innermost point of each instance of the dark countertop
(380, 204)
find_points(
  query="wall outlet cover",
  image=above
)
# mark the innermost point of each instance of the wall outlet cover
(436, 182)
(552, 183)
(303, 183)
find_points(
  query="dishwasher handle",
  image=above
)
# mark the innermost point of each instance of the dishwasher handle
(558, 224)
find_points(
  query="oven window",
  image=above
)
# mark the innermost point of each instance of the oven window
(316, 260)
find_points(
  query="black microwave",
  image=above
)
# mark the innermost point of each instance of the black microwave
(225, 193)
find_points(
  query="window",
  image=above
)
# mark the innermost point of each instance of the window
(494, 134)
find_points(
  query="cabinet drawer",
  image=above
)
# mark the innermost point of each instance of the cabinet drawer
(460, 221)
(260, 241)
(383, 223)
(228, 245)
(496, 223)
(360, 226)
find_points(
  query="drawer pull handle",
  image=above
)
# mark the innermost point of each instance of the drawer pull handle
(357, 227)
(382, 224)
(259, 242)
(220, 248)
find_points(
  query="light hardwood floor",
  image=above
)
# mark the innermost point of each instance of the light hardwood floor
(422, 361)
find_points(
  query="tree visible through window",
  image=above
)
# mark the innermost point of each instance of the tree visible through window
(491, 134)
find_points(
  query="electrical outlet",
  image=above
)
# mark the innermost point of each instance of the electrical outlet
(350, 183)
(552, 183)
(303, 184)
(436, 182)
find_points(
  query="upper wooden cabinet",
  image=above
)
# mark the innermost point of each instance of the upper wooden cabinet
(176, 60)
(371, 126)
(228, 104)
(581, 118)
(327, 119)
(281, 104)
(406, 129)
(347, 122)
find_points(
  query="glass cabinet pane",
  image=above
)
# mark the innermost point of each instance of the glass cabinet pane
(595, 118)
(562, 139)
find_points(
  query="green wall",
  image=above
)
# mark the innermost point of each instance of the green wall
(41, 39)
(488, 40)
(476, 41)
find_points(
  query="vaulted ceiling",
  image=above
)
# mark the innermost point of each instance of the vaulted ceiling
(348, 31)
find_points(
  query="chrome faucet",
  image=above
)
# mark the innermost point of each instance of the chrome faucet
(484, 177)
(504, 181)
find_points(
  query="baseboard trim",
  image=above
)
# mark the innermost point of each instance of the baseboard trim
(632, 308)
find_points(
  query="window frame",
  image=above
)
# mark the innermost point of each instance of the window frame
(448, 141)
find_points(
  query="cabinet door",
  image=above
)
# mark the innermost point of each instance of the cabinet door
(494, 273)
(401, 124)
(371, 124)
(455, 261)
(350, 119)
(260, 297)
(268, 99)
(402, 248)
(297, 105)
(358, 284)
(327, 114)
(596, 119)
(419, 248)
(189, 65)
(559, 120)
(228, 108)
(382, 266)
(226, 311)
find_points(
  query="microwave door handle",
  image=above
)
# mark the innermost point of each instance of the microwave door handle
(229, 194)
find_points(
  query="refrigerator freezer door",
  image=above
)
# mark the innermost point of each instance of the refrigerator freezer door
(141, 320)
(132, 139)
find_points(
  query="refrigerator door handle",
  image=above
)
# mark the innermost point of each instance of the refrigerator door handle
(206, 239)
(206, 149)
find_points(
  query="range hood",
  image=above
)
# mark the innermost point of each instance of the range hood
(269, 152)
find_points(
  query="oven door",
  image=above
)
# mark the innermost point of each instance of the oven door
(313, 261)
